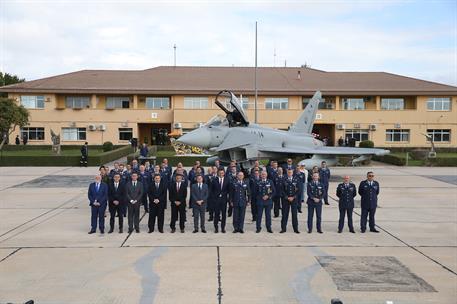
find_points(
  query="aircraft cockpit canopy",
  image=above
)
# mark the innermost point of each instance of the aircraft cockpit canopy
(217, 121)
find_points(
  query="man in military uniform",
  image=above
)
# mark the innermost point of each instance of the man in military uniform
(368, 190)
(239, 200)
(278, 199)
(315, 194)
(301, 176)
(84, 155)
(253, 181)
(324, 177)
(265, 191)
(346, 192)
(290, 193)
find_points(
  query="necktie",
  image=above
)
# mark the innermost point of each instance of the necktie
(221, 182)
(177, 186)
(157, 185)
(97, 186)
(116, 186)
(134, 184)
(200, 187)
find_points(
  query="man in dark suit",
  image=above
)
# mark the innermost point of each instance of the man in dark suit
(157, 203)
(220, 191)
(199, 196)
(178, 195)
(368, 190)
(98, 199)
(133, 194)
(346, 191)
(116, 198)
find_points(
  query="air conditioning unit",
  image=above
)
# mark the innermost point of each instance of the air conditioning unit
(92, 128)
(125, 124)
(318, 116)
(340, 127)
(372, 127)
(177, 125)
(102, 127)
(329, 106)
(397, 125)
(72, 124)
(356, 126)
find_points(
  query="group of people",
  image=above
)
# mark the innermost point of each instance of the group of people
(223, 192)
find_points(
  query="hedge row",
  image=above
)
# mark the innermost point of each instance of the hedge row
(187, 161)
(49, 147)
(434, 162)
(61, 160)
(391, 159)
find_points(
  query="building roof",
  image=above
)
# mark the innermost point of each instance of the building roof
(210, 80)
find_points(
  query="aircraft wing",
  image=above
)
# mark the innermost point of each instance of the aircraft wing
(326, 150)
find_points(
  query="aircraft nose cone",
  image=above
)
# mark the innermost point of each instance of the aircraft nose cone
(200, 138)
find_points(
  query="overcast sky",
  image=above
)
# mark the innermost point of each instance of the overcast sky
(413, 38)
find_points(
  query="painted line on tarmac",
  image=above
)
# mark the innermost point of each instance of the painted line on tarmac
(219, 277)
(10, 254)
(414, 248)
(122, 245)
(41, 215)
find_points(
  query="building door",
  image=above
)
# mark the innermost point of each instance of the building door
(153, 133)
(325, 132)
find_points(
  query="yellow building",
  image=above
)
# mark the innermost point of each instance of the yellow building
(112, 105)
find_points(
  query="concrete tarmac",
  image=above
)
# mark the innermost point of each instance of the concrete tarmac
(46, 254)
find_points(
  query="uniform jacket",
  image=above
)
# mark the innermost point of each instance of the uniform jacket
(279, 183)
(291, 188)
(324, 175)
(266, 187)
(315, 191)
(239, 193)
(369, 194)
(346, 195)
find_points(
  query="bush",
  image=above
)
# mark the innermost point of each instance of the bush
(108, 146)
(174, 160)
(419, 154)
(366, 144)
(442, 161)
(391, 159)
(63, 160)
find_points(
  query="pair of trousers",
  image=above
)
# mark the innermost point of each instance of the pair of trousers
(286, 208)
(343, 212)
(133, 216)
(199, 214)
(363, 219)
(116, 210)
(238, 217)
(178, 211)
(313, 207)
(97, 213)
(156, 211)
(220, 213)
(261, 207)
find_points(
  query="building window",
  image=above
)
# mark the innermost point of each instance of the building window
(158, 103)
(392, 104)
(195, 102)
(32, 102)
(125, 133)
(439, 104)
(73, 134)
(394, 135)
(277, 103)
(357, 134)
(244, 102)
(33, 133)
(439, 135)
(353, 104)
(324, 104)
(117, 102)
(77, 102)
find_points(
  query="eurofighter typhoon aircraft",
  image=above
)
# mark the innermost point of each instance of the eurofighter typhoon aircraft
(234, 138)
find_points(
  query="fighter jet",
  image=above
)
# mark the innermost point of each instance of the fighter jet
(233, 137)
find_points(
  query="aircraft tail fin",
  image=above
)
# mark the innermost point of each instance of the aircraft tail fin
(305, 121)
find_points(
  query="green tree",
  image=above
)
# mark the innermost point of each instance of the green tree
(11, 117)
(7, 79)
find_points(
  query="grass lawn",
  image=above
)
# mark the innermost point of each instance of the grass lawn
(48, 152)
